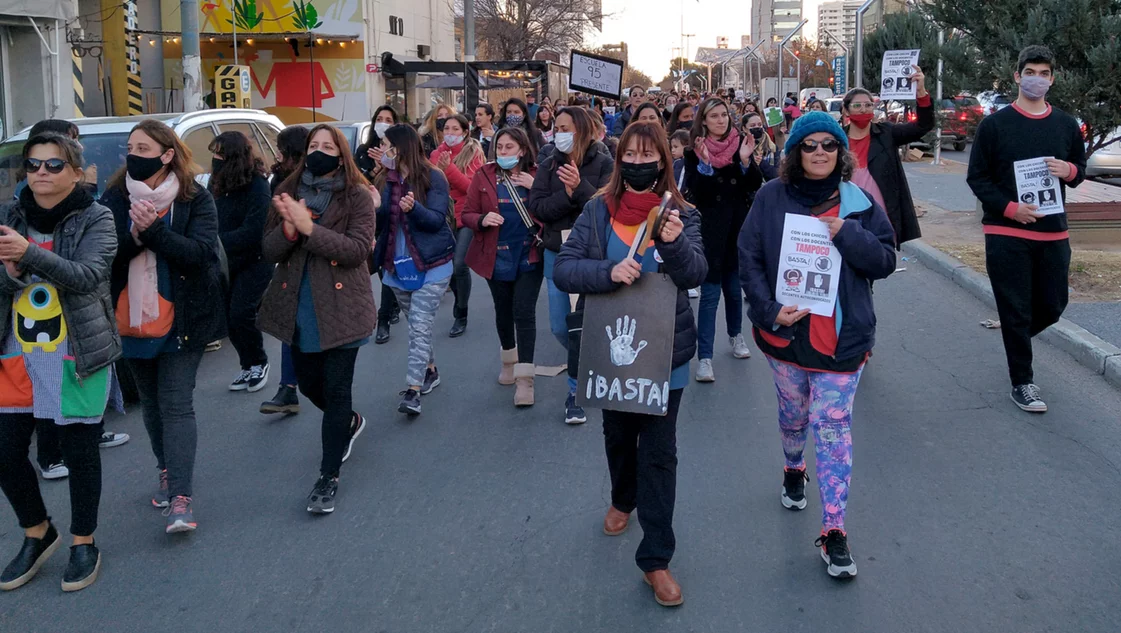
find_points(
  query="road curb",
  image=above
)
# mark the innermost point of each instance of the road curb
(1102, 357)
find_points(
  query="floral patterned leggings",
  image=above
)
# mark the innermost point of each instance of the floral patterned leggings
(825, 401)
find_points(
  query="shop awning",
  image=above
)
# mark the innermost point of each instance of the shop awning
(50, 9)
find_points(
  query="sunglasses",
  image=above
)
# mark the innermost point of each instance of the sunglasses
(54, 165)
(829, 145)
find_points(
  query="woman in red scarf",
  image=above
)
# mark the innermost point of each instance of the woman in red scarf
(596, 258)
(721, 180)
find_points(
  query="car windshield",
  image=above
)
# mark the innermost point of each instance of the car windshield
(1001, 100)
(103, 153)
(966, 101)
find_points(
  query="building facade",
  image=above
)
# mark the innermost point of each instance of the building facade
(839, 18)
(773, 20)
(35, 63)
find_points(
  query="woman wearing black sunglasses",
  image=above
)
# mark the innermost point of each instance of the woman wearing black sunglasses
(817, 358)
(57, 247)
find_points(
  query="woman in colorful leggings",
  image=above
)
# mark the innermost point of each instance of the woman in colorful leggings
(817, 357)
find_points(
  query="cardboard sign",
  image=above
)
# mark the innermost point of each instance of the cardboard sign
(895, 75)
(774, 116)
(809, 269)
(231, 87)
(626, 351)
(1035, 185)
(595, 74)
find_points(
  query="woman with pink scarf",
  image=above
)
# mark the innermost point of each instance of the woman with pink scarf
(720, 180)
(165, 278)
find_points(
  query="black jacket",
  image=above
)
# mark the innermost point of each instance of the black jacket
(723, 200)
(241, 222)
(190, 248)
(582, 267)
(549, 202)
(886, 168)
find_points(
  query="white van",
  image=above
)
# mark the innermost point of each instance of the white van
(821, 94)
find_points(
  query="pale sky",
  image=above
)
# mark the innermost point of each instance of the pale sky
(652, 27)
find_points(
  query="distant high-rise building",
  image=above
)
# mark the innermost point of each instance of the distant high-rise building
(746, 41)
(839, 18)
(773, 20)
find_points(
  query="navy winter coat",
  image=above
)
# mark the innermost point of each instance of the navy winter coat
(867, 246)
(582, 267)
(550, 204)
(426, 225)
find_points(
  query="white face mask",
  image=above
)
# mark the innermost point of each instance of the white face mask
(380, 127)
(452, 140)
(564, 141)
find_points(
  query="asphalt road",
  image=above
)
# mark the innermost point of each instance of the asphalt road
(965, 513)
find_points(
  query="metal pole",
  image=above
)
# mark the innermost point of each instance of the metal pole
(938, 96)
(847, 55)
(781, 50)
(858, 72)
(468, 31)
(234, 23)
(192, 62)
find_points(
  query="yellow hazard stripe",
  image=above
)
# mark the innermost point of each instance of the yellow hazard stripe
(79, 89)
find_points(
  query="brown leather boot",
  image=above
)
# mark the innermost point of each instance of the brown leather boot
(523, 384)
(509, 358)
(616, 521)
(666, 590)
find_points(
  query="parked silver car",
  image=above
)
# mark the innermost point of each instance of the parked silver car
(1106, 162)
(104, 140)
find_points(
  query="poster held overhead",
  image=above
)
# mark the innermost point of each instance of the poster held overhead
(595, 74)
(895, 75)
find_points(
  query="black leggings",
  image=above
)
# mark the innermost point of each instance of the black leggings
(327, 379)
(515, 312)
(21, 484)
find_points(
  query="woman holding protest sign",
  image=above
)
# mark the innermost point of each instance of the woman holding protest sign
(597, 258)
(721, 177)
(817, 357)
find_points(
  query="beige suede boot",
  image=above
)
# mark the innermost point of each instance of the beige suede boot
(509, 358)
(523, 391)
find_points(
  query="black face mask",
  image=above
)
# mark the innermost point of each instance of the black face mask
(640, 176)
(320, 164)
(440, 124)
(756, 132)
(684, 125)
(216, 165)
(140, 168)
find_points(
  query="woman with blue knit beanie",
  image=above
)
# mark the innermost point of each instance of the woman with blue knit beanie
(816, 359)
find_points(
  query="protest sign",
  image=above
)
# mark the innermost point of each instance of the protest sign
(609, 110)
(1036, 185)
(626, 351)
(895, 75)
(809, 266)
(595, 74)
(774, 116)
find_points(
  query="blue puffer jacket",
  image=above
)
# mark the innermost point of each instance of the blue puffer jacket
(582, 267)
(867, 246)
(430, 238)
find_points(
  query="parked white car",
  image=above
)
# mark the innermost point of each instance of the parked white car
(993, 102)
(1106, 162)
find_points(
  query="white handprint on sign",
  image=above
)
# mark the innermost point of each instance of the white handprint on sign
(621, 352)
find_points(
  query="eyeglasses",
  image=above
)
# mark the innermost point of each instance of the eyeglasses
(860, 107)
(829, 145)
(54, 165)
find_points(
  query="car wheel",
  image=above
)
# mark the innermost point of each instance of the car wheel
(959, 146)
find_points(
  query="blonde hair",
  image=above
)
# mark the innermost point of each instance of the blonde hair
(472, 149)
(429, 126)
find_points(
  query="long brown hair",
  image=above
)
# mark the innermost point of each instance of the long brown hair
(180, 165)
(429, 126)
(241, 165)
(644, 135)
(699, 128)
(351, 174)
(585, 135)
(410, 155)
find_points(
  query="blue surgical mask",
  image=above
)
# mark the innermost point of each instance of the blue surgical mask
(452, 140)
(1034, 87)
(507, 162)
(564, 141)
(389, 162)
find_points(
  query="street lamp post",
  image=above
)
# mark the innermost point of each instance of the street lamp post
(848, 55)
(782, 49)
(858, 72)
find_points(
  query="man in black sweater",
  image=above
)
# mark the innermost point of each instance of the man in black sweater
(1027, 253)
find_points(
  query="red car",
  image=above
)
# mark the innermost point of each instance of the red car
(959, 116)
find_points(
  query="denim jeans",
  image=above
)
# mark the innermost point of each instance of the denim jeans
(706, 312)
(167, 397)
(287, 367)
(559, 307)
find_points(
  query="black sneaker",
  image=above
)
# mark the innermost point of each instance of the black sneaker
(357, 425)
(382, 336)
(32, 554)
(241, 381)
(794, 488)
(431, 381)
(396, 317)
(322, 497)
(285, 401)
(410, 403)
(81, 571)
(1027, 398)
(110, 439)
(258, 377)
(458, 328)
(835, 552)
(573, 413)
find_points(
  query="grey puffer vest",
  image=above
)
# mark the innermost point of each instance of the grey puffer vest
(79, 266)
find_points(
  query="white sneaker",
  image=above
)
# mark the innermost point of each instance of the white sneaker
(704, 371)
(739, 347)
(55, 471)
(694, 293)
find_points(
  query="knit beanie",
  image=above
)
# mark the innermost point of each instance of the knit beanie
(811, 123)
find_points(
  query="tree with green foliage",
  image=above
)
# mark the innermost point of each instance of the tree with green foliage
(908, 31)
(1084, 35)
